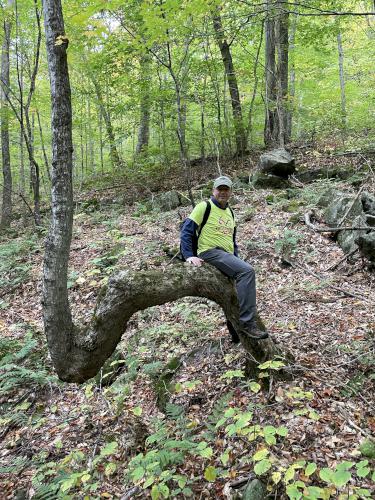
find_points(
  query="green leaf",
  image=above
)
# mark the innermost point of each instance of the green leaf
(85, 477)
(224, 457)
(210, 473)
(149, 482)
(164, 490)
(270, 439)
(254, 387)
(138, 473)
(206, 452)
(262, 467)
(269, 429)
(310, 469)
(314, 492)
(363, 472)
(110, 469)
(340, 478)
(326, 475)
(344, 465)
(260, 454)
(230, 374)
(276, 477)
(293, 492)
(201, 446)
(109, 449)
(289, 474)
(137, 411)
(282, 431)
(272, 365)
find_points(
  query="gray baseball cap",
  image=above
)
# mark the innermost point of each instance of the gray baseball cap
(223, 181)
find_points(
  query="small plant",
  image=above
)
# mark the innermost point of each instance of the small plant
(286, 246)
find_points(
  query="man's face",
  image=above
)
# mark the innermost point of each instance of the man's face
(222, 194)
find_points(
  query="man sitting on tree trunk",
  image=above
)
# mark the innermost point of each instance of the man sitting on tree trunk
(213, 222)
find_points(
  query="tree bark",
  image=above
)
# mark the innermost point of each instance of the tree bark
(6, 212)
(232, 84)
(342, 82)
(144, 124)
(56, 311)
(114, 154)
(277, 56)
(270, 125)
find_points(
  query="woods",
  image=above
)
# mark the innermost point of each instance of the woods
(145, 98)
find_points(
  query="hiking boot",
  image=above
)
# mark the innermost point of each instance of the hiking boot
(252, 331)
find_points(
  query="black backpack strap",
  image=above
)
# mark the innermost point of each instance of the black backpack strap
(205, 217)
(231, 211)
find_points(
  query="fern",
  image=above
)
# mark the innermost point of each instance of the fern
(173, 411)
(218, 410)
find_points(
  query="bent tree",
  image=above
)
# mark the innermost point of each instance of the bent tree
(78, 353)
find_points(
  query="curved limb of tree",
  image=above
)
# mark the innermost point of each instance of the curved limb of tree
(79, 354)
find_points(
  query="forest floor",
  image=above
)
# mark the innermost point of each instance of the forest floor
(100, 440)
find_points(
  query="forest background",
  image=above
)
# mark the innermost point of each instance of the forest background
(164, 95)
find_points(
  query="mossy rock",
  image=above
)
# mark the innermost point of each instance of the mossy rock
(255, 490)
(367, 448)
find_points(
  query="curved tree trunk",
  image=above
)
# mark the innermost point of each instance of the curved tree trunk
(79, 354)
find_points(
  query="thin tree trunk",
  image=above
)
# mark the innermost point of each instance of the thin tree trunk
(292, 78)
(101, 141)
(6, 212)
(270, 125)
(342, 82)
(114, 154)
(46, 163)
(144, 124)
(256, 79)
(282, 45)
(232, 84)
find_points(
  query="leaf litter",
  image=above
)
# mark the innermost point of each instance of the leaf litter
(327, 407)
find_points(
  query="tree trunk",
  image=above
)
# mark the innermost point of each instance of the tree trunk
(6, 212)
(342, 82)
(277, 44)
(292, 79)
(282, 47)
(144, 124)
(270, 126)
(114, 154)
(56, 311)
(232, 84)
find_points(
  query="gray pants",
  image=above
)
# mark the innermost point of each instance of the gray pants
(244, 276)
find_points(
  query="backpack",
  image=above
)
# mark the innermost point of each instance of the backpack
(199, 230)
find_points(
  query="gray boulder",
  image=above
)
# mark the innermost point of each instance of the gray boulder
(277, 162)
(167, 201)
(366, 244)
(347, 239)
(338, 207)
(260, 180)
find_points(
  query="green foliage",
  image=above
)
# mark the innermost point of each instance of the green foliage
(15, 265)
(287, 246)
(20, 365)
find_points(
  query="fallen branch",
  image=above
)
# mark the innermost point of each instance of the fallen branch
(350, 206)
(307, 219)
(346, 256)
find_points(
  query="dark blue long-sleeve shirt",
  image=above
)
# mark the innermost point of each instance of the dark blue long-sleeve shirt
(189, 229)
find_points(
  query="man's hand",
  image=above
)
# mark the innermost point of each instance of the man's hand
(195, 261)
